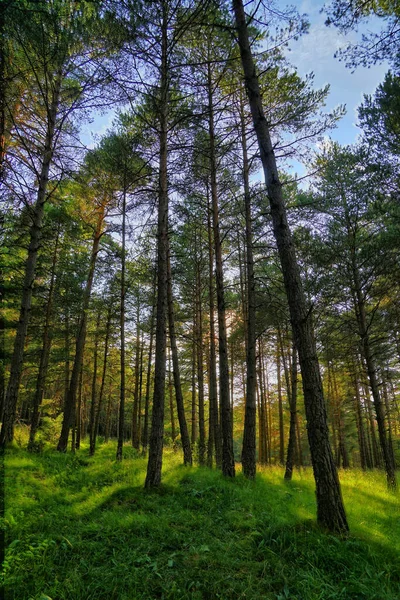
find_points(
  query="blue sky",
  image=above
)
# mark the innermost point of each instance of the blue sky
(312, 52)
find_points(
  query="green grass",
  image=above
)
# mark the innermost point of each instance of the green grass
(82, 528)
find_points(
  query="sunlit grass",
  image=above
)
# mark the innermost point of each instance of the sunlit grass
(84, 528)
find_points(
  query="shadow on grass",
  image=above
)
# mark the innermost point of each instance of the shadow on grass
(198, 536)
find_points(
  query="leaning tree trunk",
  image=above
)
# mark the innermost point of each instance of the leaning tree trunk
(185, 439)
(154, 465)
(70, 401)
(249, 432)
(37, 214)
(330, 509)
(45, 353)
(228, 460)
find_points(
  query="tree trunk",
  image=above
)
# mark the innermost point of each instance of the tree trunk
(280, 402)
(154, 465)
(263, 428)
(185, 439)
(145, 432)
(37, 213)
(214, 428)
(171, 400)
(293, 411)
(94, 382)
(359, 307)
(249, 431)
(193, 433)
(135, 412)
(228, 461)
(364, 458)
(70, 401)
(95, 431)
(78, 414)
(330, 509)
(45, 353)
(200, 369)
(121, 410)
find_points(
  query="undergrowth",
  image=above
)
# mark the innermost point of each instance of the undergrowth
(82, 528)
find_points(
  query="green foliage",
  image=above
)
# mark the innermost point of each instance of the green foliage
(85, 528)
(373, 47)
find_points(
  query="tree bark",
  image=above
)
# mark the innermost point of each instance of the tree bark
(145, 432)
(121, 409)
(93, 437)
(94, 382)
(171, 400)
(280, 402)
(200, 369)
(135, 411)
(330, 509)
(359, 307)
(214, 426)
(249, 431)
(293, 412)
(45, 353)
(185, 439)
(228, 461)
(70, 401)
(154, 465)
(37, 213)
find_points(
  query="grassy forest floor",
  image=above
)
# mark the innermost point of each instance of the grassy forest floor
(82, 528)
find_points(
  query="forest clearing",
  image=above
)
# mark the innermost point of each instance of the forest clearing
(200, 299)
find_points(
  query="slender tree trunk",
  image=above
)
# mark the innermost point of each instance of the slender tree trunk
(293, 412)
(135, 412)
(193, 434)
(280, 402)
(45, 353)
(360, 425)
(94, 381)
(37, 214)
(214, 429)
(140, 391)
(200, 370)
(389, 423)
(228, 461)
(264, 434)
(70, 402)
(330, 509)
(121, 410)
(154, 465)
(145, 433)
(171, 399)
(67, 348)
(359, 306)
(108, 418)
(185, 439)
(78, 414)
(249, 431)
(96, 422)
